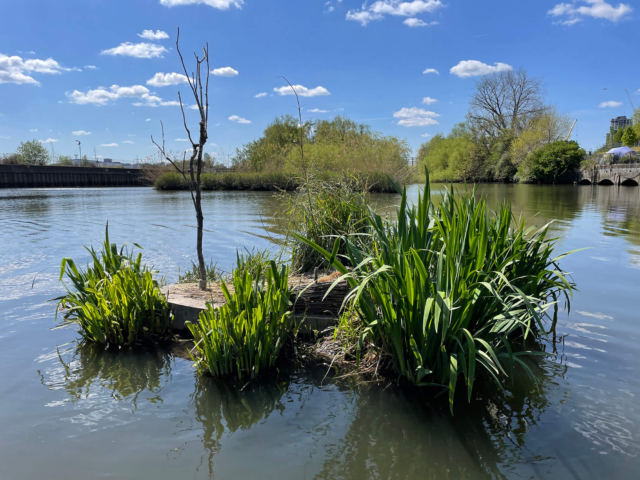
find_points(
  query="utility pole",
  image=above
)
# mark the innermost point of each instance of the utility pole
(80, 147)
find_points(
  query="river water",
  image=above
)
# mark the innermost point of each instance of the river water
(79, 413)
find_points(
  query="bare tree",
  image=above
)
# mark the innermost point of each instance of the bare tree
(193, 165)
(505, 101)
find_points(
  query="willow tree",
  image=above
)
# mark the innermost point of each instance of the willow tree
(191, 167)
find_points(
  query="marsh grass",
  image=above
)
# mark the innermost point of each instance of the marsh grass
(243, 337)
(452, 290)
(116, 299)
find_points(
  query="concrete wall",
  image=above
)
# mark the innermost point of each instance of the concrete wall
(28, 176)
(619, 174)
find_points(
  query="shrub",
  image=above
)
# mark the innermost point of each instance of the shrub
(33, 153)
(116, 300)
(551, 161)
(244, 336)
(449, 290)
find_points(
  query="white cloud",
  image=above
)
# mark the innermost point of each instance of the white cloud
(415, 117)
(474, 68)
(49, 140)
(16, 70)
(237, 119)
(182, 139)
(138, 50)
(428, 100)
(224, 72)
(91, 67)
(317, 110)
(151, 35)
(425, 135)
(611, 103)
(4, 137)
(377, 11)
(127, 141)
(148, 120)
(416, 22)
(33, 130)
(260, 95)
(80, 132)
(109, 145)
(102, 96)
(166, 79)
(432, 70)
(302, 91)
(219, 4)
(571, 13)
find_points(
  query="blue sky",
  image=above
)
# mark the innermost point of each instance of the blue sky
(87, 70)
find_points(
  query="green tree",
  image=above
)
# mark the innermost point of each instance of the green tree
(617, 137)
(33, 153)
(64, 160)
(551, 161)
(630, 137)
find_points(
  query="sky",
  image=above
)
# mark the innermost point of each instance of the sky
(106, 72)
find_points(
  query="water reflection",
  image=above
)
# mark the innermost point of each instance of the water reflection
(125, 374)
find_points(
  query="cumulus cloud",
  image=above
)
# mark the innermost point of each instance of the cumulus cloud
(81, 132)
(137, 50)
(428, 100)
(151, 35)
(571, 13)
(416, 22)
(219, 4)
(91, 67)
(317, 110)
(127, 141)
(102, 96)
(432, 70)
(148, 120)
(302, 91)
(109, 145)
(474, 68)
(378, 10)
(415, 117)
(425, 135)
(224, 72)
(610, 103)
(166, 79)
(261, 95)
(237, 119)
(16, 70)
(49, 140)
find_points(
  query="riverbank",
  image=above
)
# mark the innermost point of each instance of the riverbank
(378, 182)
(52, 176)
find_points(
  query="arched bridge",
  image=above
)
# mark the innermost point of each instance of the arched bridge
(620, 174)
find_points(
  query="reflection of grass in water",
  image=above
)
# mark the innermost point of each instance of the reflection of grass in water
(125, 373)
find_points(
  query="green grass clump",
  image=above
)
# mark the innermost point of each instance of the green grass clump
(192, 275)
(452, 290)
(244, 336)
(115, 300)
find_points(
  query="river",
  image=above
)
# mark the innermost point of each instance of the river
(81, 413)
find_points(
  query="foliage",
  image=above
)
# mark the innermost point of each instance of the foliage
(552, 161)
(244, 336)
(446, 157)
(329, 146)
(116, 300)
(64, 160)
(324, 210)
(33, 153)
(630, 137)
(214, 274)
(11, 159)
(636, 120)
(546, 128)
(451, 290)
(617, 137)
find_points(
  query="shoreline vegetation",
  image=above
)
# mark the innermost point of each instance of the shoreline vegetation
(447, 296)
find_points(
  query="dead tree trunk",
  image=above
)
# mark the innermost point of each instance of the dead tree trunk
(195, 162)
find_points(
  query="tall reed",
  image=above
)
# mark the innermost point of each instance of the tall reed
(116, 299)
(451, 289)
(243, 337)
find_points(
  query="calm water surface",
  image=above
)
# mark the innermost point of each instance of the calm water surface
(80, 413)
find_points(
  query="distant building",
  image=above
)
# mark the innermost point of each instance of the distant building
(616, 124)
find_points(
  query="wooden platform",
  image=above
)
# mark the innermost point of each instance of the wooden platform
(187, 301)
